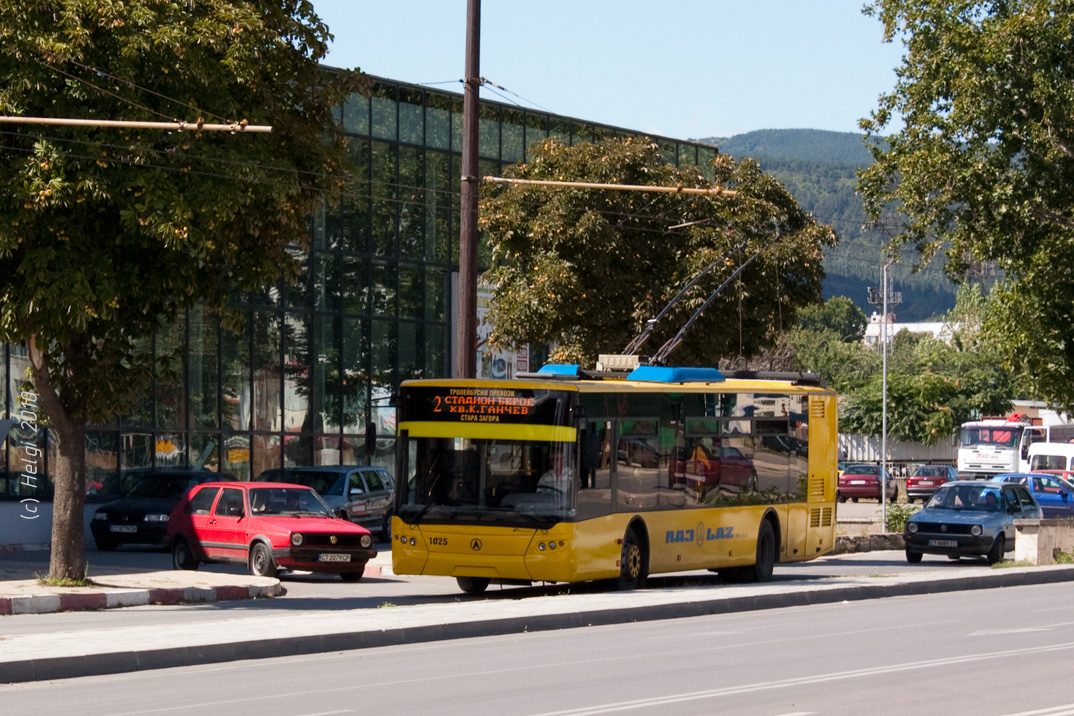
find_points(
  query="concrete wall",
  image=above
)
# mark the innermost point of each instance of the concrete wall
(1041, 541)
(23, 529)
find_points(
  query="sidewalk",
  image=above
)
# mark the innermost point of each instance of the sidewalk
(94, 650)
(22, 593)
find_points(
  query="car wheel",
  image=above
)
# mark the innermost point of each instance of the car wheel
(105, 545)
(386, 528)
(261, 562)
(995, 554)
(183, 555)
(853, 499)
(631, 563)
(913, 557)
(472, 585)
(352, 576)
(840, 498)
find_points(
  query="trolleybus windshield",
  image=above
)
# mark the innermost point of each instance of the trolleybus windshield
(488, 455)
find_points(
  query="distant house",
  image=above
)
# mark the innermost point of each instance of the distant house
(874, 331)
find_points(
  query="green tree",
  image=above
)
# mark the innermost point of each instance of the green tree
(584, 269)
(106, 234)
(842, 365)
(983, 164)
(934, 386)
(838, 314)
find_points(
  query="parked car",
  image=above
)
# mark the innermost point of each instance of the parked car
(267, 526)
(924, 480)
(141, 516)
(969, 518)
(364, 495)
(862, 480)
(1054, 495)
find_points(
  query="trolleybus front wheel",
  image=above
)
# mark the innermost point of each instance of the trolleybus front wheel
(631, 563)
(472, 585)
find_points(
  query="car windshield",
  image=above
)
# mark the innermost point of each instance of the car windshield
(862, 470)
(980, 497)
(287, 501)
(163, 486)
(934, 471)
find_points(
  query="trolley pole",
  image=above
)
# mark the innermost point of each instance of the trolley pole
(466, 319)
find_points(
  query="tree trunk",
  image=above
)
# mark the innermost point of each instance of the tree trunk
(69, 501)
(68, 475)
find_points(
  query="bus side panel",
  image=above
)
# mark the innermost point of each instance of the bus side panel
(599, 546)
(703, 539)
(795, 534)
(823, 478)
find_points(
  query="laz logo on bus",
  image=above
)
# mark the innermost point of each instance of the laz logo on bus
(442, 541)
(700, 534)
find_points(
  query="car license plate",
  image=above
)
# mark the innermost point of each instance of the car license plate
(857, 482)
(123, 528)
(942, 543)
(334, 557)
(927, 483)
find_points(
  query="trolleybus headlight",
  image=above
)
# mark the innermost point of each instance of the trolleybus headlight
(413, 541)
(975, 530)
(296, 539)
(912, 527)
(551, 545)
(541, 546)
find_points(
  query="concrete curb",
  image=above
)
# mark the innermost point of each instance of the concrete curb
(115, 598)
(81, 598)
(47, 668)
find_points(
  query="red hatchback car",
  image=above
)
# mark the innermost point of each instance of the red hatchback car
(267, 526)
(863, 480)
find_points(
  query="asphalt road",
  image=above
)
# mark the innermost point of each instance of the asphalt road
(998, 652)
(306, 592)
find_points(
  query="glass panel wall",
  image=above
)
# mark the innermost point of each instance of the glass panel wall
(310, 367)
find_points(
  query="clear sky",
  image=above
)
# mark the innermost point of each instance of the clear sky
(684, 69)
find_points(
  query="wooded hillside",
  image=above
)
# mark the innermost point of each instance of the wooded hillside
(818, 168)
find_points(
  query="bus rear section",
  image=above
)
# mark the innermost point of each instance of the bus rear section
(657, 482)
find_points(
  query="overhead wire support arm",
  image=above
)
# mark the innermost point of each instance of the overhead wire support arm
(233, 127)
(666, 349)
(710, 191)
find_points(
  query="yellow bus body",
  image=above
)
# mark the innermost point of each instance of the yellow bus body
(677, 540)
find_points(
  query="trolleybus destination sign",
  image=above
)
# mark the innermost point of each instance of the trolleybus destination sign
(471, 404)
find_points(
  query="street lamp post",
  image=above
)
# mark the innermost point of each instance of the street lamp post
(884, 404)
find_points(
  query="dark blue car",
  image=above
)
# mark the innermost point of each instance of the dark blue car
(1055, 495)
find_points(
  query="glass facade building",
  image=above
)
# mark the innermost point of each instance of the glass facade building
(315, 368)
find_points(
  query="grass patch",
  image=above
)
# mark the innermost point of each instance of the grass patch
(1007, 563)
(84, 581)
(385, 605)
(47, 581)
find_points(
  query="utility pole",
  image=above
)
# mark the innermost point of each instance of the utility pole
(466, 319)
(884, 296)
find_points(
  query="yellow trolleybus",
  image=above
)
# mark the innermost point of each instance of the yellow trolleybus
(568, 475)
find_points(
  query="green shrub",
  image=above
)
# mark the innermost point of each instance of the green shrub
(897, 517)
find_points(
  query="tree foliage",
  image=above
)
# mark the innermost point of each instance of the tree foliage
(984, 162)
(837, 314)
(584, 269)
(934, 386)
(106, 234)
